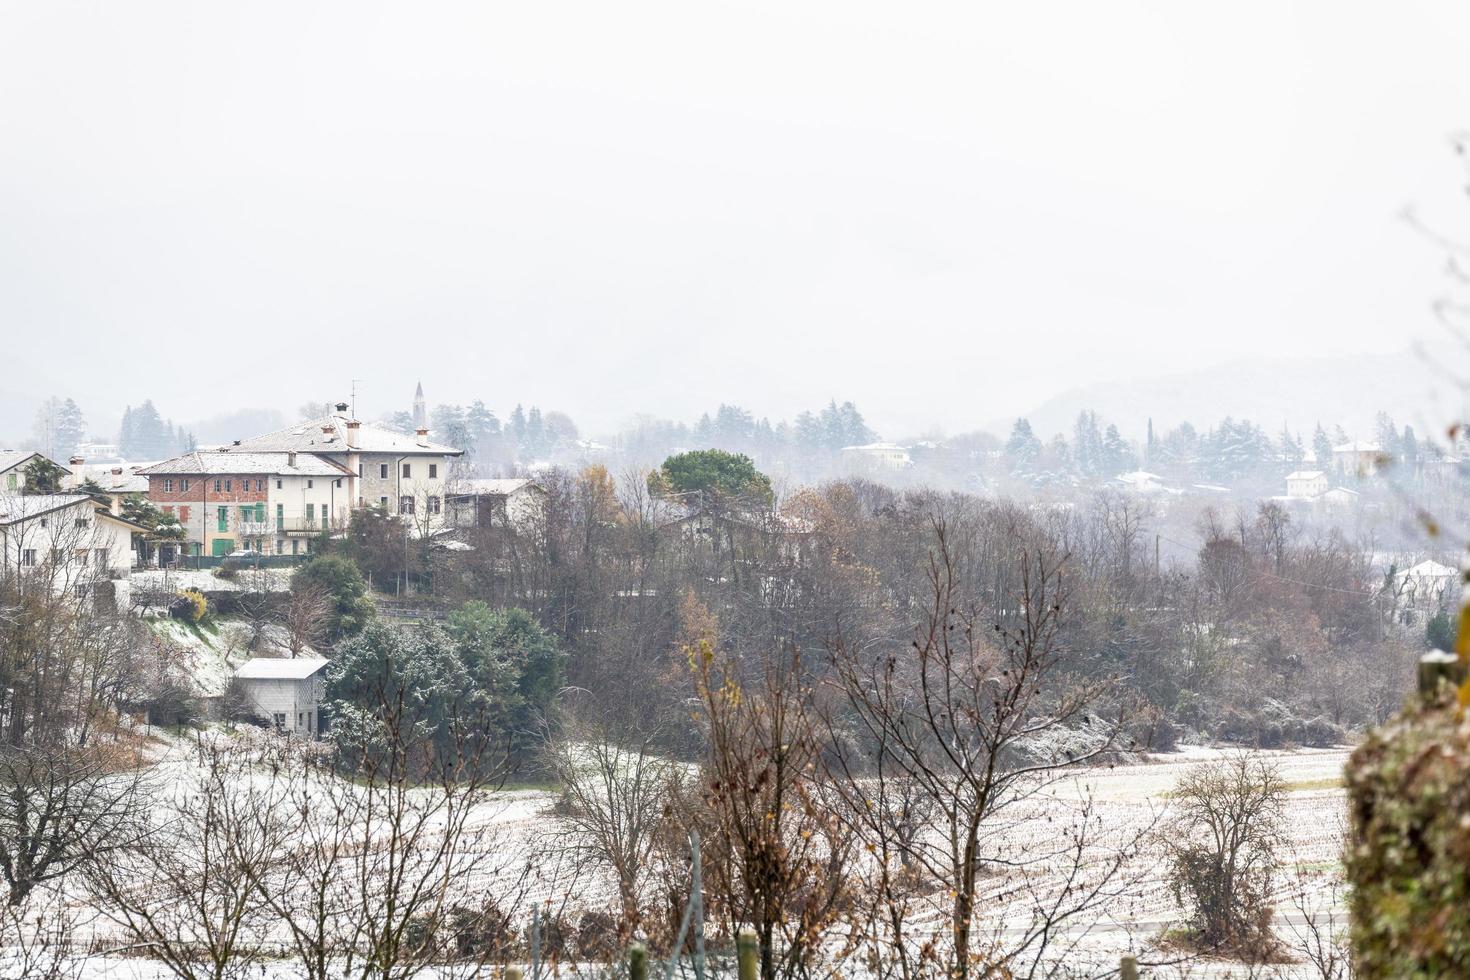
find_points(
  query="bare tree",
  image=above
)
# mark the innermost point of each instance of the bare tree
(185, 890)
(1222, 846)
(615, 787)
(306, 616)
(778, 858)
(973, 721)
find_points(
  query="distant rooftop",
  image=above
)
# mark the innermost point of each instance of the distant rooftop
(232, 460)
(21, 507)
(328, 434)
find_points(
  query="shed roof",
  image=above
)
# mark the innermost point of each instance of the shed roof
(280, 668)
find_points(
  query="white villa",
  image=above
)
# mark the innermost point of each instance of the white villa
(1306, 484)
(1357, 458)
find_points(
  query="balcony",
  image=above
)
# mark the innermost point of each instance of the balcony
(299, 525)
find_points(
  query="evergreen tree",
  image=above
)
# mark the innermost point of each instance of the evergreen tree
(1087, 448)
(518, 425)
(1322, 448)
(1117, 455)
(1023, 448)
(1409, 449)
(1292, 452)
(71, 429)
(1388, 436)
(809, 431)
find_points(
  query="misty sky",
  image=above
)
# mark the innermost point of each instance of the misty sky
(947, 212)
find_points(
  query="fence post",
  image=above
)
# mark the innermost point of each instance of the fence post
(747, 951)
(638, 962)
(697, 897)
(1128, 968)
(1436, 666)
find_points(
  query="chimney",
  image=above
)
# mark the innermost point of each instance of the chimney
(78, 476)
(423, 435)
(352, 426)
(340, 407)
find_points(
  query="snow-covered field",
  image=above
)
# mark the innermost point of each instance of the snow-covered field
(1126, 798)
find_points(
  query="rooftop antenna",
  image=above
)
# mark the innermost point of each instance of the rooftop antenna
(355, 383)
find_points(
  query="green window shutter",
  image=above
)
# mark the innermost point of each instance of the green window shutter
(280, 516)
(311, 512)
(222, 519)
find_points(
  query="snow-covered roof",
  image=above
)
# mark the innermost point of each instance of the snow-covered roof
(1431, 569)
(21, 507)
(279, 668)
(328, 434)
(497, 488)
(11, 458)
(875, 447)
(1358, 447)
(1306, 475)
(227, 461)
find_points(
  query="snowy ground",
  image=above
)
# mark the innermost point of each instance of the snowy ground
(1125, 797)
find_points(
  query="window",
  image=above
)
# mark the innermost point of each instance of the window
(280, 546)
(102, 557)
(216, 486)
(359, 471)
(81, 522)
(433, 470)
(309, 484)
(382, 471)
(260, 484)
(405, 505)
(227, 486)
(183, 486)
(183, 515)
(295, 546)
(260, 513)
(280, 517)
(279, 718)
(433, 505)
(310, 513)
(407, 470)
(222, 519)
(28, 557)
(278, 484)
(45, 521)
(82, 556)
(168, 486)
(79, 590)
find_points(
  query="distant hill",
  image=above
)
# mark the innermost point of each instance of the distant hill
(1346, 390)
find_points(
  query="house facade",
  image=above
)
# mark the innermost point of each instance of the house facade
(231, 499)
(1306, 484)
(63, 542)
(883, 455)
(287, 693)
(13, 463)
(401, 474)
(515, 502)
(1357, 458)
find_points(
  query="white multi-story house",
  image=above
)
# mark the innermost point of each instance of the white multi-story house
(232, 498)
(401, 474)
(1306, 484)
(1357, 458)
(64, 542)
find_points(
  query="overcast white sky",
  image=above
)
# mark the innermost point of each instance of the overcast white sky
(947, 212)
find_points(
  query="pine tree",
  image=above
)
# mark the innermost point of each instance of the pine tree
(1291, 448)
(71, 429)
(1322, 448)
(1023, 448)
(1117, 455)
(518, 424)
